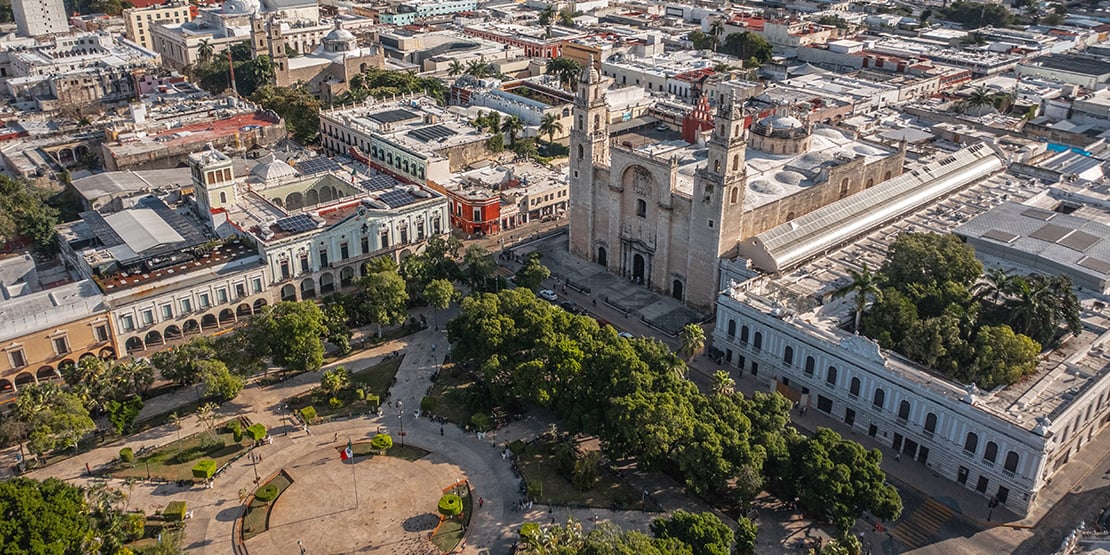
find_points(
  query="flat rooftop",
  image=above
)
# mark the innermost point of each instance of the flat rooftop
(196, 133)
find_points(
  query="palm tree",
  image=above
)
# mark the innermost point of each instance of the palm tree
(456, 68)
(723, 384)
(1028, 306)
(204, 51)
(478, 68)
(547, 15)
(979, 97)
(262, 69)
(175, 421)
(691, 341)
(511, 126)
(206, 416)
(550, 125)
(716, 29)
(864, 283)
(998, 283)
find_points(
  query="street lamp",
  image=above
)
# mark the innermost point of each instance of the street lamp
(254, 464)
(401, 421)
(301, 545)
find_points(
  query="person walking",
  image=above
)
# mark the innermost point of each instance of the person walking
(481, 501)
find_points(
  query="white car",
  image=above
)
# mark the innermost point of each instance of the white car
(549, 295)
(625, 335)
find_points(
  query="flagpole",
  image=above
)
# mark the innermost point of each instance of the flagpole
(354, 483)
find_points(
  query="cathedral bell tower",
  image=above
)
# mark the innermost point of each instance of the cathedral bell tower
(718, 202)
(589, 147)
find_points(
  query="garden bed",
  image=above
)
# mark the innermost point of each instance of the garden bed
(407, 452)
(450, 531)
(537, 466)
(174, 461)
(375, 380)
(257, 518)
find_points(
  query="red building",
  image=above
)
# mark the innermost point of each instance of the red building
(472, 210)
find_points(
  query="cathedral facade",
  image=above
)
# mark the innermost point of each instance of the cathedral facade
(663, 214)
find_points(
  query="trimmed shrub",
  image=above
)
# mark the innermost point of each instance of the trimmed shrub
(126, 455)
(257, 432)
(450, 505)
(335, 403)
(428, 404)
(236, 430)
(480, 421)
(136, 525)
(174, 511)
(266, 493)
(381, 442)
(535, 489)
(373, 400)
(360, 394)
(204, 469)
(308, 414)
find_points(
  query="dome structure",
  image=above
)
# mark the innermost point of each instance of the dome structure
(272, 170)
(781, 122)
(340, 40)
(339, 35)
(240, 7)
(780, 133)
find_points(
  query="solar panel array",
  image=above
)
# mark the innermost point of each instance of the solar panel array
(379, 182)
(297, 224)
(431, 133)
(392, 116)
(313, 166)
(397, 198)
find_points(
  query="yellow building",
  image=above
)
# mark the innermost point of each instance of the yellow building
(141, 21)
(46, 329)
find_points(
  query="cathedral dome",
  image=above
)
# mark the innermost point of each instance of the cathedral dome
(338, 35)
(240, 7)
(273, 170)
(781, 122)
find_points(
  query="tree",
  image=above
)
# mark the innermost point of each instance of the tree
(261, 72)
(181, 363)
(295, 105)
(42, 517)
(206, 418)
(864, 284)
(334, 381)
(478, 68)
(723, 384)
(550, 126)
(337, 330)
(456, 68)
(716, 29)
(439, 293)
(292, 333)
(204, 51)
(384, 297)
(532, 273)
(450, 505)
(974, 15)
(54, 418)
(747, 45)
(219, 382)
(691, 341)
(745, 533)
(1001, 357)
(703, 531)
(997, 283)
(477, 267)
(546, 15)
(24, 212)
(930, 259)
(122, 415)
(381, 443)
(1040, 305)
(566, 17)
(702, 41)
(512, 126)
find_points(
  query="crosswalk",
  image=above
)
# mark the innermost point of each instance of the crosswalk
(917, 529)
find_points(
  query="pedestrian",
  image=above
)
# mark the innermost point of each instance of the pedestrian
(595, 302)
(336, 438)
(433, 347)
(897, 457)
(441, 430)
(481, 501)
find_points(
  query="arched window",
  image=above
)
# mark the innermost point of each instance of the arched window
(597, 122)
(788, 355)
(879, 398)
(744, 334)
(1011, 462)
(886, 176)
(732, 328)
(844, 187)
(990, 454)
(971, 443)
(580, 122)
(734, 195)
(830, 376)
(717, 166)
(930, 424)
(223, 197)
(580, 152)
(903, 410)
(757, 341)
(853, 387)
(641, 208)
(735, 162)
(810, 363)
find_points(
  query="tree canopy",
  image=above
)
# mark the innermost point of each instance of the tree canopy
(973, 15)
(747, 46)
(299, 109)
(25, 213)
(47, 517)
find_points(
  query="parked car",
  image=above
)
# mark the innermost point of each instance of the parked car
(625, 335)
(549, 295)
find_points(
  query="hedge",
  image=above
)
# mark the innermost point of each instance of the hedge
(204, 469)
(236, 430)
(257, 431)
(450, 505)
(126, 455)
(174, 511)
(428, 404)
(480, 421)
(308, 414)
(266, 493)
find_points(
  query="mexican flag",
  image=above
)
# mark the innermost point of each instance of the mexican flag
(348, 452)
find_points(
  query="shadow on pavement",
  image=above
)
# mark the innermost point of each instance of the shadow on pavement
(419, 523)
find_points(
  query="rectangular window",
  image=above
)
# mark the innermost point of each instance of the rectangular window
(323, 258)
(101, 332)
(126, 322)
(221, 295)
(241, 290)
(344, 251)
(17, 359)
(385, 240)
(477, 215)
(61, 346)
(435, 226)
(419, 231)
(285, 269)
(256, 285)
(148, 317)
(204, 302)
(186, 305)
(304, 264)
(404, 235)
(167, 312)
(365, 244)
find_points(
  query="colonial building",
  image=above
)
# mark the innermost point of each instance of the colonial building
(140, 22)
(660, 210)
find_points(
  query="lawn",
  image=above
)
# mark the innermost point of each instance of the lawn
(452, 391)
(408, 452)
(450, 532)
(374, 380)
(537, 465)
(257, 519)
(164, 463)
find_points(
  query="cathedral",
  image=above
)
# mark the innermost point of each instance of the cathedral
(663, 213)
